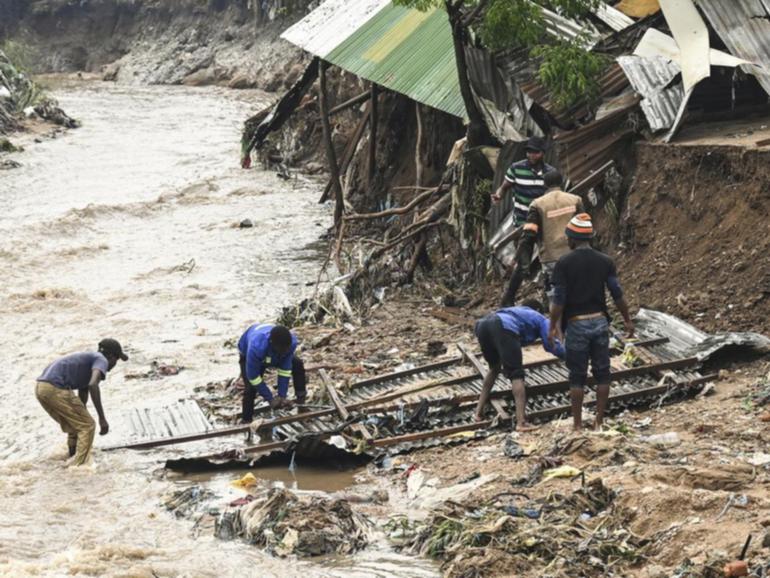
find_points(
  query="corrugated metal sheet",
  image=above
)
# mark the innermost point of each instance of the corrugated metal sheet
(612, 17)
(332, 23)
(744, 27)
(409, 52)
(404, 50)
(650, 78)
(181, 418)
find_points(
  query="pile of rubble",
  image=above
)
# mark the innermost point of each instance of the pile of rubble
(20, 98)
(286, 524)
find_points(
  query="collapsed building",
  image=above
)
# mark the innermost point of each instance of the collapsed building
(669, 64)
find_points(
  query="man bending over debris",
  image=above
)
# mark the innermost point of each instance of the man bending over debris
(263, 346)
(579, 305)
(56, 393)
(548, 216)
(501, 335)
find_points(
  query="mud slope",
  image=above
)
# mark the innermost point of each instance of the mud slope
(156, 41)
(697, 239)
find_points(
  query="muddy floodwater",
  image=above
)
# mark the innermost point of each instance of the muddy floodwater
(127, 227)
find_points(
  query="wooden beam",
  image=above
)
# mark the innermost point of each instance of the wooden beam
(342, 411)
(347, 155)
(352, 102)
(331, 155)
(374, 112)
(334, 396)
(443, 432)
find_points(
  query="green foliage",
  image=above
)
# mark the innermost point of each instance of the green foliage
(421, 5)
(510, 23)
(571, 8)
(570, 72)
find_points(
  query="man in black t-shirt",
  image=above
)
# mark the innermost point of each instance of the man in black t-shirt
(579, 306)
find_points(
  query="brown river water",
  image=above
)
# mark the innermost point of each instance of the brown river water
(125, 228)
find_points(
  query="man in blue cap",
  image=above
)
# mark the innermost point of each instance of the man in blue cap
(263, 346)
(501, 335)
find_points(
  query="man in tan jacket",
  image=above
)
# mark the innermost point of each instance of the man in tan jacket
(547, 218)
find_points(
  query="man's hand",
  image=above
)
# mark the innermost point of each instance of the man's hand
(497, 196)
(554, 334)
(104, 427)
(629, 328)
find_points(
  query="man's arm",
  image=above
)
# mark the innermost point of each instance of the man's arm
(531, 232)
(506, 186)
(284, 374)
(254, 371)
(557, 305)
(96, 397)
(613, 284)
(83, 395)
(555, 347)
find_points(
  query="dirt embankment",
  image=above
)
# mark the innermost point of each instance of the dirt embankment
(696, 243)
(158, 41)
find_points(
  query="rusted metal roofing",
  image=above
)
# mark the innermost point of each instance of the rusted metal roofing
(584, 150)
(404, 50)
(651, 78)
(744, 27)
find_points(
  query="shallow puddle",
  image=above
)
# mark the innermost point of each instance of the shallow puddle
(303, 478)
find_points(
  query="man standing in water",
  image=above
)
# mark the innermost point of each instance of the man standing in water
(263, 346)
(580, 279)
(501, 335)
(79, 372)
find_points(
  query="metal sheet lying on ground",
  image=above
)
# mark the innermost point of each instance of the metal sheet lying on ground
(178, 419)
(406, 411)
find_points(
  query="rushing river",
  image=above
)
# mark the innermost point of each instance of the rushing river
(127, 227)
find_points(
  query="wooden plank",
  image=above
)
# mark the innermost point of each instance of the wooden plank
(443, 432)
(340, 407)
(331, 155)
(500, 409)
(361, 98)
(468, 354)
(334, 396)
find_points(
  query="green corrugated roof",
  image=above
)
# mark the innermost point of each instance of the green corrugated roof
(409, 52)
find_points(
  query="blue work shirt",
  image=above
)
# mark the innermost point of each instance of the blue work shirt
(254, 346)
(530, 326)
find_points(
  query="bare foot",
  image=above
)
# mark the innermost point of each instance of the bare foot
(478, 418)
(525, 427)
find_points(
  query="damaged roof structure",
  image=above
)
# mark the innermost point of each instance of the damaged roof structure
(662, 60)
(434, 404)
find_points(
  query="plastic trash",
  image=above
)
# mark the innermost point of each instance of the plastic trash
(247, 481)
(667, 439)
(517, 512)
(561, 472)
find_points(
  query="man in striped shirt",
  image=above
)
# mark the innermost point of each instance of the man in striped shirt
(526, 178)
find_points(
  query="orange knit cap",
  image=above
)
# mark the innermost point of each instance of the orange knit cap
(580, 227)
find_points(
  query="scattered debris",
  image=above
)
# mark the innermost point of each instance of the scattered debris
(185, 503)
(286, 524)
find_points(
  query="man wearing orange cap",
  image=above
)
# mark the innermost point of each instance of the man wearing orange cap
(579, 306)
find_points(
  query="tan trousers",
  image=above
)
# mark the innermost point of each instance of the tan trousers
(65, 407)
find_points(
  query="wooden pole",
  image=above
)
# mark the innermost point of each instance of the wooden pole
(347, 155)
(331, 156)
(373, 135)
